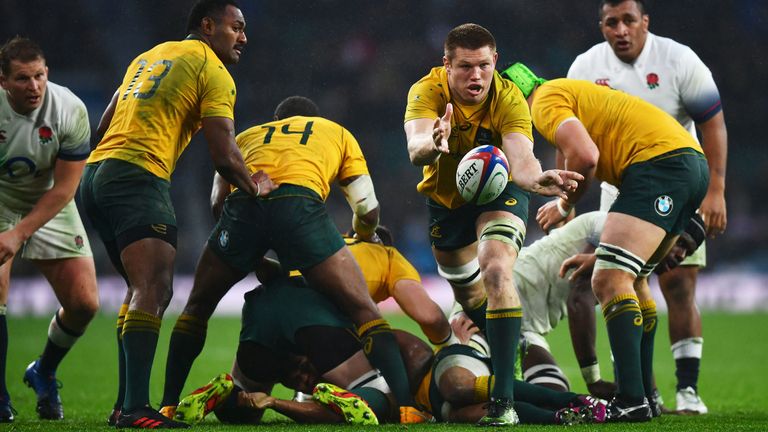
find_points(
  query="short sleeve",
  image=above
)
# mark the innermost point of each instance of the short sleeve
(218, 93)
(550, 109)
(75, 133)
(516, 117)
(698, 90)
(425, 100)
(352, 159)
(400, 269)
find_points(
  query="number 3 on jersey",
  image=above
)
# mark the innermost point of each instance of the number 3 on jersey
(155, 78)
(286, 130)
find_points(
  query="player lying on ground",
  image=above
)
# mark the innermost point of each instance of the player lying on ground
(258, 368)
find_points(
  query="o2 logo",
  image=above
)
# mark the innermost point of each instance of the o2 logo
(17, 167)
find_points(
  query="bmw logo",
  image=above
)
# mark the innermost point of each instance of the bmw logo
(224, 239)
(663, 205)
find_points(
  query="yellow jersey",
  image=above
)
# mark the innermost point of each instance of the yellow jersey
(625, 128)
(165, 94)
(382, 267)
(504, 111)
(303, 151)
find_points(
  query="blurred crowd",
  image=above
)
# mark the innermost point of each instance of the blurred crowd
(357, 60)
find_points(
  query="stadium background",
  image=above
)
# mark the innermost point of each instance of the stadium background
(357, 61)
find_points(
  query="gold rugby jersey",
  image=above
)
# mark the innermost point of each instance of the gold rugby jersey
(625, 128)
(165, 94)
(504, 111)
(303, 151)
(382, 267)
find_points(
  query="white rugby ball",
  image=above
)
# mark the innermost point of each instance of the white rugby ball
(482, 174)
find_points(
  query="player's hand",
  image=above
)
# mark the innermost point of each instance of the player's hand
(557, 183)
(602, 389)
(256, 400)
(442, 130)
(264, 184)
(713, 212)
(582, 263)
(373, 238)
(548, 216)
(10, 243)
(463, 327)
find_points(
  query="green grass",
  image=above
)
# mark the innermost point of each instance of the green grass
(733, 382)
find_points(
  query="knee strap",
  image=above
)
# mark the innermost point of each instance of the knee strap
(461, 276)
(505, 230)
(616, 258)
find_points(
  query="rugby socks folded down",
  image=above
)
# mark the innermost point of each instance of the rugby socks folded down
(140, 333)
(381, 348)
(624, 322)
(648, 310)
(503, 332)
(687, 355)
(187, 341)
(120, 357)
(60, 340)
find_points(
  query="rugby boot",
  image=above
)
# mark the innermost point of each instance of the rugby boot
(201, 402)
(47, 389)
(147, 418)
(500, 413)
(349, 405)
(620, 411)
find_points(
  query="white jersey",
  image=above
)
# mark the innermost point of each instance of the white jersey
(666, 73)
(31, 144)
(542, 292)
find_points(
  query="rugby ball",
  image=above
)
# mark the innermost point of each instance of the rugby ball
(482, 174)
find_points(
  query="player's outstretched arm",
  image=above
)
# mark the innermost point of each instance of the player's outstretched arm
(66, 178)
(428, 138)
(416, 303)
(227, 159)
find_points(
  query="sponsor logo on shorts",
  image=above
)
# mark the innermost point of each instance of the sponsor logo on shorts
(435, 232)
(160, 228)
(663, 205)
(511, 202)
(79, 242)
(224, 239)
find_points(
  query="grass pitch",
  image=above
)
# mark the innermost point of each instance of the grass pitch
(733, 382)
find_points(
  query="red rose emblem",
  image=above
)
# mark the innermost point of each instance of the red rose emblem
(46, 134)
(653, 80)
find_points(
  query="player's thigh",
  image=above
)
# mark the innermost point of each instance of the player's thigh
(304, 235)
(637, 236)
(664, 192)
(127, 203)
(240, 237)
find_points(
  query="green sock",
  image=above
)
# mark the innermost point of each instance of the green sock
(503, 332)
(120, 358)
(532, 414)
(140, 333)
(383, 352)
(625, 330)
(542, 396)
(376, 400)
(648, 309)
(477, 314)
(187, 341)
